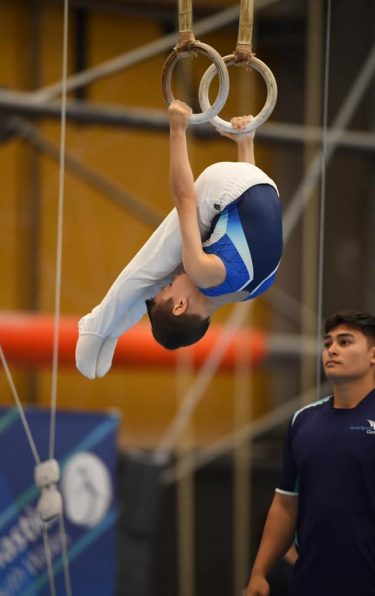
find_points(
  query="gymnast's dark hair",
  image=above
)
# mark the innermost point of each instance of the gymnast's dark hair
(356, 319)
(173, 331)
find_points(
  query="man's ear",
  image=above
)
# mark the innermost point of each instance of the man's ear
(372, 355)
(180, 307)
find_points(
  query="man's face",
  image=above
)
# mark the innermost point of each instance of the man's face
(347, 354)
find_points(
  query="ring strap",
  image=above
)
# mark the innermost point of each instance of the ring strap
(185, 16)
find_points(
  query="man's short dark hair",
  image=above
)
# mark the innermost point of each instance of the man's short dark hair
(173, 331)
(361, 321)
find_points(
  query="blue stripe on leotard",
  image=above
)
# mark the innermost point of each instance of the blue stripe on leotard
(249, 242)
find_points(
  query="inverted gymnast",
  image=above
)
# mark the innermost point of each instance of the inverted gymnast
(222, 243)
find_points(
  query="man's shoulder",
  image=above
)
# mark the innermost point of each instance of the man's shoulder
(311, 409)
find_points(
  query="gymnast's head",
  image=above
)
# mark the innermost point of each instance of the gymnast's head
(178, 314)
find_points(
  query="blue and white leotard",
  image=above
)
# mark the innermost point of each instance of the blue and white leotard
(247, 237)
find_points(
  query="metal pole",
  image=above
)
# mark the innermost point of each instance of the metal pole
(279, 131)
(196, 390)
(184, 376)
(351, 102)
(243, 386)
(310, 233)
(30, 134)
(278, 416)
(369, 279)
(16, 103)
(185, 490)
(243, 395)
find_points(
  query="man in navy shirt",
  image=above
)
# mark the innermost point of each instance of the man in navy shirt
(325, 499)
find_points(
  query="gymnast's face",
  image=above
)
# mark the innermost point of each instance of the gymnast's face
(347, 354)
(184, 293)
(180, 285)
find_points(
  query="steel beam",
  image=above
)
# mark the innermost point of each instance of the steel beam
(83, 112)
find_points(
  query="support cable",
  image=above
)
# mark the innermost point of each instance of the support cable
(60, 220)
(47, 473)
(65, 558)
(323, 188)
(21, 411)
(47, 550)
(58, 275)
(34, 450)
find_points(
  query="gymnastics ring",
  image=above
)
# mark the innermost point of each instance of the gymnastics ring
(268, 107)
(217, 66)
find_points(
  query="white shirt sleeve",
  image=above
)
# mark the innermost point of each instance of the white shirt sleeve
(150, 269)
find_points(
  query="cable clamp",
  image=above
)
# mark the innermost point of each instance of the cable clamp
(46, 475)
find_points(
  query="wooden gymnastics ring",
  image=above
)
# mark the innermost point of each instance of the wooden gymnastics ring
(218, 66)
(268, 107)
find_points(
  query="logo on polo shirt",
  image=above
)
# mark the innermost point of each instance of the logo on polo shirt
(369, 430)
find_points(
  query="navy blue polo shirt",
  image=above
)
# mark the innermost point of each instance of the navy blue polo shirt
(329, 462)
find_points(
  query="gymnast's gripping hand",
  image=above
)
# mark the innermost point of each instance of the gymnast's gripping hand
(239, 123)
(179, 115)
(94, 354)
(244, 141)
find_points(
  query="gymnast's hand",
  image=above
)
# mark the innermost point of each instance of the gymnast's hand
(238, 123)
(244, 141)
(179, 115)
(94, 354)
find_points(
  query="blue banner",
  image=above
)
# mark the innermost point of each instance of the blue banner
(87, 454)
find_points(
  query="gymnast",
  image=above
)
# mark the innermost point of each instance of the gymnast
(221, 243)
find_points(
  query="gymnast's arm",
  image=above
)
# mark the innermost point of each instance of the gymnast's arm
(245, 141)
(205, 270)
